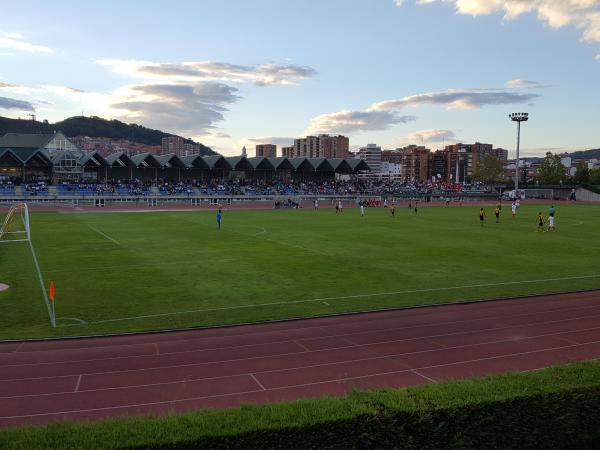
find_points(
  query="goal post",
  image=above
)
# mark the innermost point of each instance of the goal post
(15, 227)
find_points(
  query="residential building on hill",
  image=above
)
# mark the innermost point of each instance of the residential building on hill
(322, 146)
(268, 150)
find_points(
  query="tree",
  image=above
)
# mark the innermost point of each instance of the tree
(594, 177)
(490, 170)
(582, 174)
(551, 170)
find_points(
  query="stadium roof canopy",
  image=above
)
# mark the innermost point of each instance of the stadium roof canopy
(261, 163)
(357, 164)
(18, 140)
(302, 165)
(93, 159)
(119, 159)
(171, 160)
(195, 162)
(24, 156)
(240, 163)
(281, 163)
(146, 160)
(321, 164)
(217, 162)
(340, 165)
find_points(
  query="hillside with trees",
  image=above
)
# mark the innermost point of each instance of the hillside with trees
(93, 127)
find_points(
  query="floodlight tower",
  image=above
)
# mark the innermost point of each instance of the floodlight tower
(518, 117)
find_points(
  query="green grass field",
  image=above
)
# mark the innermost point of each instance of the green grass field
(122, 272)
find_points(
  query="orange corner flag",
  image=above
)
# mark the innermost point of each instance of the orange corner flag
(51, 293)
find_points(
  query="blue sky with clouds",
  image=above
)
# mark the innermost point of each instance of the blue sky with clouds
(231, 73)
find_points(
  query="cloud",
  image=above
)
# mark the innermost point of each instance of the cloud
(187, 109)
(355, 121)
(457, 99)
(16, 42)
(582, 14)
(431, 135)
(281, 141)
(219, 135)
(523, 84)
(11, 103)
(261, 75)
(382, 115)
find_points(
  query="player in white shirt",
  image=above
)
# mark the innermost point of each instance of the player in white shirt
(513, 210)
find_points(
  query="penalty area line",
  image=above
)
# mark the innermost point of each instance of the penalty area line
(346, 297)
(103, 234)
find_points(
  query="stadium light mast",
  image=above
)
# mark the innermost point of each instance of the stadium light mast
(518, 117)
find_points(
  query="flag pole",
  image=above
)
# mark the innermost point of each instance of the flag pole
(52, 292)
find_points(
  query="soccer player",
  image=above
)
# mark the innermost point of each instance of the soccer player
(393, 210)
(481, 216)
(340, 206)
(513, 209)
(551, 223)
(316, 205)
(362, 210)
(416, 206)
(540, 222)
(385, 205)
(219, 219)
(497, 212)
(551, 211)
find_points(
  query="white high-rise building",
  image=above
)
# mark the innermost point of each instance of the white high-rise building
(372, 155)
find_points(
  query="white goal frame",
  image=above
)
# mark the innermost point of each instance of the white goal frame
(24, 210)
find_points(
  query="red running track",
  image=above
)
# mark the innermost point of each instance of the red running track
(93, 378)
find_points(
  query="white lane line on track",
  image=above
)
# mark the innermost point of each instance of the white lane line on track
(337, 380)
(258, 382)
(328, 364)
(329, 336)
(346, 297)
(78, 382)
(103, 234)
(431, 380)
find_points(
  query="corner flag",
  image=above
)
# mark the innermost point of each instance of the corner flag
(51, 291)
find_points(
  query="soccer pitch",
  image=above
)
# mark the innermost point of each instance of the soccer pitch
(125, 272)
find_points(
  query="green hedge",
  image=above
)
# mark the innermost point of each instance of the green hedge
(557, 408)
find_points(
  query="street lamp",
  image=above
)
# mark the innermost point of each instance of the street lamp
(518, 117)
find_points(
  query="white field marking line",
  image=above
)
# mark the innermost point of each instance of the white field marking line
(78, 383)
(346, 297)
(316, 383)
(312, 366)
(42, 285)
(103, 234)
(320, 350)
(264, 231)
(257, 382)
(72, 318)
(431, 380)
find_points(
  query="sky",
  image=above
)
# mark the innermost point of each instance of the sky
(390, 72)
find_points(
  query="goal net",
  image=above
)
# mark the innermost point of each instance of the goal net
(15, 226)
